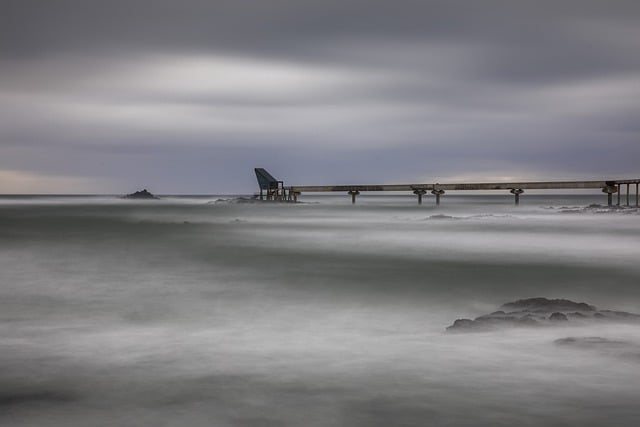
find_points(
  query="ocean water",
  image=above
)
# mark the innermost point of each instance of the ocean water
(184, 312)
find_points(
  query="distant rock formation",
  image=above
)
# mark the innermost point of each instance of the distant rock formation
(541, 312)
(235, 201)
(144, 194)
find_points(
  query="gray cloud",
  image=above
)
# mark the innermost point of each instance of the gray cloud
(124, 92)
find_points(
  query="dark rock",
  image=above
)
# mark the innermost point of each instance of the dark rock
(619, 315)
(441, 216)
(144, 194)
(541, 312)
(576, 314)
(545, 305)
(589, 342)
(236, 201)
(558, 317)
(461, 324)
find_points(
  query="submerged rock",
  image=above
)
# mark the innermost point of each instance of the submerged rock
(541, 312)
(604, 346)
(591, 342)
(235, 201)
(144, 194)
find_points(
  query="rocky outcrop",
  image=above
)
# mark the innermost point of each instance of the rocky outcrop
(544, 305)
(235, 201)
(537, 312)
(144, 194)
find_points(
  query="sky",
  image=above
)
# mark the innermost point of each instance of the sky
(187, 97)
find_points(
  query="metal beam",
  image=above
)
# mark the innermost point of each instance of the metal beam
(533, 185)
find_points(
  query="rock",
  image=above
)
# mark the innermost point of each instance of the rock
(461, 323)
(590, 342)
(558, 317)
(577, 314)
(545, 305)
(621, 315)
(236, 201)
(536, 312)
(144, 194)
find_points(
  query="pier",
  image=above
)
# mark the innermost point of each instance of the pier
(273, 189)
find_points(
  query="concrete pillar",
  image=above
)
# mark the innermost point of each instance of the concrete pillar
(619, 185)
(628, 195)
(517, 192)
(637, 194)
(419, 193)
(610, 189)
(437, 193)
(353, 196)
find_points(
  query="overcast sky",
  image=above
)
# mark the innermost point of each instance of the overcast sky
(188, 96)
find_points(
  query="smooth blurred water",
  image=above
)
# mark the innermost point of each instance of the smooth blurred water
(183, 312)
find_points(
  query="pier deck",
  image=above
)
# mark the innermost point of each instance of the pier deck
(276, 190)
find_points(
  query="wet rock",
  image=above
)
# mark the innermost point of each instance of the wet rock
(610, 314)
(461, 323)
(236, 201)
(577, 314)
(536, 312)
(143, 194)
(558, 317)
(544, 305)
(590, 342)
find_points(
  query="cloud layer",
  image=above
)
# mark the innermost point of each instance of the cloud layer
(188, 97)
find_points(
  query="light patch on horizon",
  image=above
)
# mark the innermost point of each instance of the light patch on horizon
(21, 182)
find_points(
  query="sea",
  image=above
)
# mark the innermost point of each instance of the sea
(220, 311)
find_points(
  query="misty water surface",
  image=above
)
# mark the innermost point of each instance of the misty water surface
(181, 312)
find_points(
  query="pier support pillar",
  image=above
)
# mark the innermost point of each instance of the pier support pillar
(353, 195)
(637, 194)
(628, 195)
(419, 193)
(437, 193)
(619, 190)
(516, 193)
(295, 195)
(610, 189)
